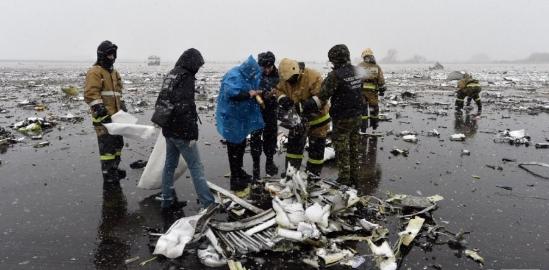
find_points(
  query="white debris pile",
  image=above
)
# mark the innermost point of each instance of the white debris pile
(321, 220)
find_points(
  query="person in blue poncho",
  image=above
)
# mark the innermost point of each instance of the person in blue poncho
(238, 114)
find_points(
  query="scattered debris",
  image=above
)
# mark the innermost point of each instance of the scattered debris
(457, 137)
(524, 167)
(138, 164)
(474, 255)
(455, 75)
(410, 138)
(542, 145)
(41, 144)
(70, 90)
(433, 133)
(437, 66)
(515, 137)
(397, 152)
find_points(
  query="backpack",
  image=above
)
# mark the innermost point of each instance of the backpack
(163, 108)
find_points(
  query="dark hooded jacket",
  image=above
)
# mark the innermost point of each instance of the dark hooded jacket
(181, 81)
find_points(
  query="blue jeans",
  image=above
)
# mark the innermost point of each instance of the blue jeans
(189, 151)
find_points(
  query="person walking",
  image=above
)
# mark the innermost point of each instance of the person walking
(182, 131)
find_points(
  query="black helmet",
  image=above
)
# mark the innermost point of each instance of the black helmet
(339, 54)
(105, 48)
(266, 59)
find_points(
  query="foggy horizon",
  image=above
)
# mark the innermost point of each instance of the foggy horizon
(229, 31)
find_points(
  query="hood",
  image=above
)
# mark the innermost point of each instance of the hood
(190, 60)
(250, 70)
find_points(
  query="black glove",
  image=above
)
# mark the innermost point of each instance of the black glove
(298, 129)
(100, 111)
(285, 103)
(364, 126)
(382, 90)
(123, 106)
(308, 106)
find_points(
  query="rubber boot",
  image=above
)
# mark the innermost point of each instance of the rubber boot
(270, 168)
(111, 176)
(256, 171)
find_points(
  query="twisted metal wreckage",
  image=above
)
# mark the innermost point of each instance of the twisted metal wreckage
(317, 219)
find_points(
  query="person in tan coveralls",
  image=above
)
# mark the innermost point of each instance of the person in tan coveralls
(103, 93)
(299, 88)
(373, 86)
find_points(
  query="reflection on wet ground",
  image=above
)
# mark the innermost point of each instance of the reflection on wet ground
(57, 215)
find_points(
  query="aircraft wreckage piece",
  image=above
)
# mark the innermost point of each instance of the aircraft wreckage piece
(246, 223)
(523, 166)
(235, 198)
(239, 243)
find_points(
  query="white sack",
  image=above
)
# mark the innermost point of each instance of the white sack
(130, 131)
(123, 118)
(172, 243)
(152, 175)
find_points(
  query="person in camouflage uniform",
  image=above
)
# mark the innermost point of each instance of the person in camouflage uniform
(470, 88)
(343, 87)
(373, 86)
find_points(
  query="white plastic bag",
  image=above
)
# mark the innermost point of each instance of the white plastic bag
(123, 118)
(125, 124)
(172, 243)
(152, 175)
(130, 131)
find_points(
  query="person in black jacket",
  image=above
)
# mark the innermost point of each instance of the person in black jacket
(182, 132)
(343, 86)
(266, 138)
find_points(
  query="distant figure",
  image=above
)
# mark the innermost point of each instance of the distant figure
(343, 87)
(373, 86)
(237, 116)
(470, 88)
(182, 132)
(264, 140)
(103, 93)
(299, 89)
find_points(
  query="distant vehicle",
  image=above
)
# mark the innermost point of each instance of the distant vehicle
(153, 60)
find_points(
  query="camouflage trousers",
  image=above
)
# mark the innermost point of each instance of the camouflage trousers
(346, 141)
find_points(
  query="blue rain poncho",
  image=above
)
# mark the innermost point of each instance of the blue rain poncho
(236, 119)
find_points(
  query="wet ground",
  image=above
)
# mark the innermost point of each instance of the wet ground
(55, 213)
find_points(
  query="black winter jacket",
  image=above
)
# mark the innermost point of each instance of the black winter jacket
(184, 116)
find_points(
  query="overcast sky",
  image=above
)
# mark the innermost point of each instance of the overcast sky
(232, 29)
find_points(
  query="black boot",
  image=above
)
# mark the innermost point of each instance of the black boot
(256, 168)
(270, 168)
(121, 173)
(111, 176)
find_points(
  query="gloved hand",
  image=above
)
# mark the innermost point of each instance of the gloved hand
(123, 106)
(298, 129)
(100, 111)
(382, 90)
(285, 103)
(308, 106)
